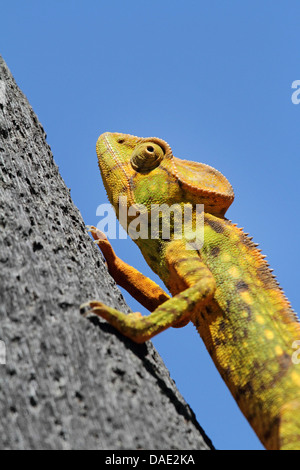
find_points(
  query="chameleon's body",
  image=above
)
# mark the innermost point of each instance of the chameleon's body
(225, 288)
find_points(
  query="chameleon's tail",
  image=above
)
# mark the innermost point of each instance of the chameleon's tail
(289, 434)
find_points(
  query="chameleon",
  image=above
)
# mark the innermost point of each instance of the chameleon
(224, 286)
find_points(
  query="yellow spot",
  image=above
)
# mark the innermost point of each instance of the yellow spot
(245, 314)
(278, 350)
(225, 257)
(260, 319)
(246, 297)
(269, 334)
(296, 378)
(234, 272)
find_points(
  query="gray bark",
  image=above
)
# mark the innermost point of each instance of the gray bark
(68, 382)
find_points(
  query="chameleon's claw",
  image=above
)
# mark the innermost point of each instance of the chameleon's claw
(96, 233)
(90, 228)
(85, 309)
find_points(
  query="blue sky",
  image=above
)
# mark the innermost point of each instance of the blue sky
(213, 78)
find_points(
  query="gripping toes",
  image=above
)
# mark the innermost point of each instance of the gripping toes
(128, 324)
(98, 308)
(86, 309)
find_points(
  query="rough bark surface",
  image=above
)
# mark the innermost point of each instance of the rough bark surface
(68, 382)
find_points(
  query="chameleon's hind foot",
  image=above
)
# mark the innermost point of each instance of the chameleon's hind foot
(131, 325)
(98, 308)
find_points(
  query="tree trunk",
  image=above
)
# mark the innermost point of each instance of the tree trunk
(68, 382)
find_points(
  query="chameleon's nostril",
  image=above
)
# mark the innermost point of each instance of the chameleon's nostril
(121, 141)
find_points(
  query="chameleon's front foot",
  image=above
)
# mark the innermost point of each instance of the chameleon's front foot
(96, 233)
(145, 291)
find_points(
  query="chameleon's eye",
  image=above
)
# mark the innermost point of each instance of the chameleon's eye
(146, 157)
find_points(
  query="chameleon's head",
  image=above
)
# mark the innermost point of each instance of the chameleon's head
(146, 172)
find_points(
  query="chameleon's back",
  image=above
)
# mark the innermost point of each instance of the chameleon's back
(249, 330)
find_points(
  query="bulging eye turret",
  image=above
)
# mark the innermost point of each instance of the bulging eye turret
(146, 157)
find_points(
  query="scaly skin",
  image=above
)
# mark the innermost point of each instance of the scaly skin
(225, 288)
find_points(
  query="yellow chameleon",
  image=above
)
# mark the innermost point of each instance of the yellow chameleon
(224, 286)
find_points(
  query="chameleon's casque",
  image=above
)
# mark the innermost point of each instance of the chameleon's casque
(225, 288)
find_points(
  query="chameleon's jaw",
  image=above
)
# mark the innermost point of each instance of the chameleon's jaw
(109, 150)
(112, 151)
